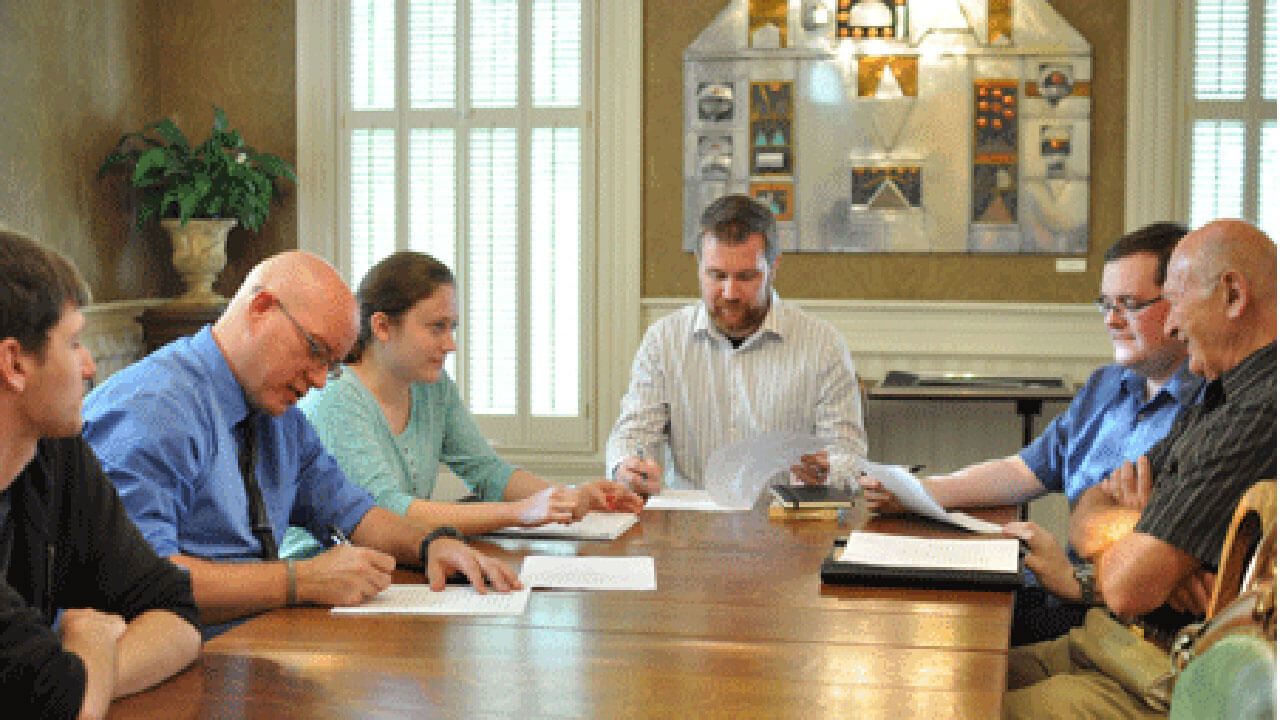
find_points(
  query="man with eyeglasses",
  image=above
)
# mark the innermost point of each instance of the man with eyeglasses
(1122, 411)
(213, 461)
(1156, 553)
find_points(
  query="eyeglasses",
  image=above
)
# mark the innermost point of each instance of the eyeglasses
(1124, 304)
(320, 354)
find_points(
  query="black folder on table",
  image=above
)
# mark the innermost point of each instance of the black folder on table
(835, 572)
(812, 496)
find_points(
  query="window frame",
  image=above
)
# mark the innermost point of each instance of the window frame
(613, 265)
(1161, 111)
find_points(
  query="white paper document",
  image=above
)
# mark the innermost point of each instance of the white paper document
(421, 600)
(736, 473)
(589, 573)
(912, 496)
(698, 500)
(592, 526)
(989, 554)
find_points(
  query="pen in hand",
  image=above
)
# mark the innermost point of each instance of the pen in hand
(336, 536)
(639, 454)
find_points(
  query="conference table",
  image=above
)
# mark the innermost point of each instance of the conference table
(740, 626)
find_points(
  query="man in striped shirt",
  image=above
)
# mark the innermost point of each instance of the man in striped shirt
(1149, 552)
(740, 363)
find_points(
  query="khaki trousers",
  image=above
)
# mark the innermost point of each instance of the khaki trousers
(1059, 679)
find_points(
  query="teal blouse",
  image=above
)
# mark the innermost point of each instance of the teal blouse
(399, 468)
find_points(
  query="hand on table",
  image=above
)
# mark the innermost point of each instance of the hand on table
(446, 556)
(93, 635)
(607, 496)
(879, 500)
(344, 575)
(641, 475)
(550, 504)
(813, 468)
(1046, 558)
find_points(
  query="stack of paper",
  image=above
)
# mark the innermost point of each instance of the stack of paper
(698, 500)
(421, 600)
(912, 495)
(880, 559)
(993, 555)
(572, 573)
(593, 526)
(589, 573)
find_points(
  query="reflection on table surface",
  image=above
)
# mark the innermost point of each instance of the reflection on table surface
(740, 626)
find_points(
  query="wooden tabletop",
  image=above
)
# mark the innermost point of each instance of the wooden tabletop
(739, 627)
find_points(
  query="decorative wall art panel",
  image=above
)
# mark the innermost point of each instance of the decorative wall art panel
(894, 125)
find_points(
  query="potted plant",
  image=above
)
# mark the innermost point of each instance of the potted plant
(198, 193)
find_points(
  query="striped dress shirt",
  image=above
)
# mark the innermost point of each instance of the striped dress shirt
(1215, 451)
(693, 392)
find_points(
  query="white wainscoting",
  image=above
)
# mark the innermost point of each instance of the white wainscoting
(984, 338)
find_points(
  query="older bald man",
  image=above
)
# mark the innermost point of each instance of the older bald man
(1221, 288)
(214, 462)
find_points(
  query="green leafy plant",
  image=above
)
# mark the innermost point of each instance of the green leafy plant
(221, 177)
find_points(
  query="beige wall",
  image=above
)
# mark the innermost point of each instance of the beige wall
(80, 74)
(77, 75)
(239, 55)
(670, 25)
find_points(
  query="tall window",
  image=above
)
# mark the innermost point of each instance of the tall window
(467, 133)
(1232, 134)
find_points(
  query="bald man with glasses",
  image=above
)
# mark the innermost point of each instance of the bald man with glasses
(213, 461)
(1123, 410)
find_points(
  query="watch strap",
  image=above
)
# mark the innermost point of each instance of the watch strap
(442, 531)
(1084, 575)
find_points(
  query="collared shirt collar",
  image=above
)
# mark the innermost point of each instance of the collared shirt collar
(1241, 380)
(1183, 386)
(772, 325)
(232, 404)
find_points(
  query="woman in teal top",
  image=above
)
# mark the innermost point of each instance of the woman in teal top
(394, 415)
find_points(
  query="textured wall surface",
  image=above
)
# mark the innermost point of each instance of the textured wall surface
(78, 75)
(670, 25)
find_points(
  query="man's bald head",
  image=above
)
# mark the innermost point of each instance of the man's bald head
(1233, 245)
(1222, 293)
(292, 317)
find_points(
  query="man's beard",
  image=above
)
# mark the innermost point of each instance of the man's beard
(752, 317)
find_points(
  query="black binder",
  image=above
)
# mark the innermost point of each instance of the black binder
(812, 496)
(835, 572)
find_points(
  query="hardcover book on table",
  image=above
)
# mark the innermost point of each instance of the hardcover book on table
(812, 496)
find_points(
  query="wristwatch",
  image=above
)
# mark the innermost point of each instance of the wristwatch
(442, 531)
(1083, 573)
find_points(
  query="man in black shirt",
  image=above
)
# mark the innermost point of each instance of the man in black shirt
(128, 619)
(1221, 288)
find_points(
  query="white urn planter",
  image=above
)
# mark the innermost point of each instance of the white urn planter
(199, 254)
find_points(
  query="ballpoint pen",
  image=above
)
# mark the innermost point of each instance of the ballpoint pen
(336, 536)
(640, 455)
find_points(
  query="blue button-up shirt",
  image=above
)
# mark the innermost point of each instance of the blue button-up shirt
(1109, 421)
(164, 429)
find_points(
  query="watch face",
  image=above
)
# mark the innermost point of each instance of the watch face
(1084, 576)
